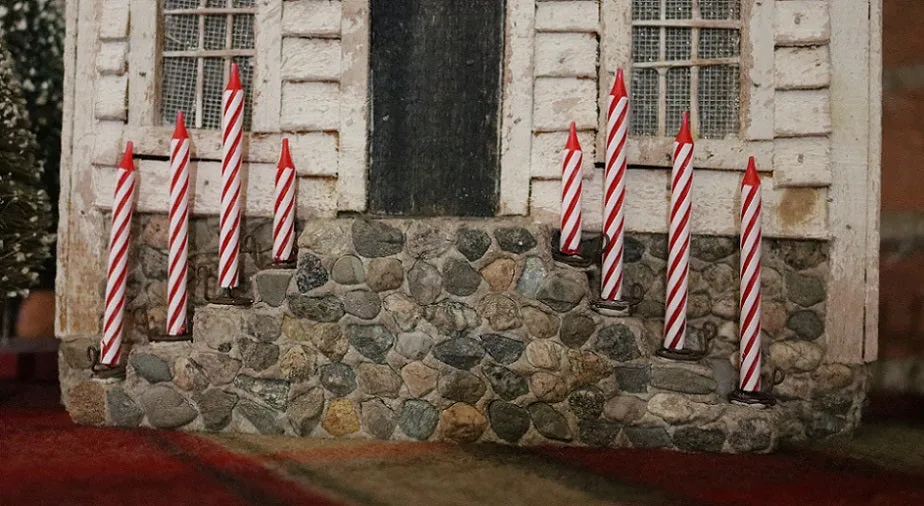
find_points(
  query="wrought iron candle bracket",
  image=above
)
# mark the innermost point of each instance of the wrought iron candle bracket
(102, 371)
(760, 399)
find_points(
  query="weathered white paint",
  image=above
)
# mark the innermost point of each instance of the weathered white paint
(354, 106)
(728, 154)
(805, 22)
(560, 100)
(112, 58)
(112, 97)
(107, 143)
(802, 112)
(873, 180)
(566, 55)
(114, 19)
(312, 18)
(267, 89)
(802, 67)
(311, 59)
(143, 102)
(568, 16)
(310, 106)
(757, 59)
(802, 161)
(548, 149)
(615, 53)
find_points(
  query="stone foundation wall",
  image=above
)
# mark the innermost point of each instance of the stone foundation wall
(466, 330)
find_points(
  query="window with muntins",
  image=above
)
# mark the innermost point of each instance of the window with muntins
(200, 41)
(685, 57)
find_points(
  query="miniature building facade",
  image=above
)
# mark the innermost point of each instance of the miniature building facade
(428, 326)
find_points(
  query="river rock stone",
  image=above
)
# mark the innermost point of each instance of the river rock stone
(461, 423)
(563, 291)
(796, 355)
(188, 375)
(309, 274)
(576, 329)
(385, 274)
(339, 379)
(341, 418)
(328, 339)
(516, 240)
(424, 283)
(751, 434)
(725, 375)
(427, 241)
(373, 239)
(806, 324)
(150, 367)
(419, 378)
(544, 354)
(805, 291)
(123, 411)
(297, 364)
(362, 303)
(325, 237)
(499, 274)
(587, 367)
(681, 380)
(461, 386)
(502, 349)
(414, 345)
(693, 439)
(633, 249)
(509, 421)
(258, 356)
(264, 419)
(378, 380)
(273, 392)
(599, 433)
(378, 419)
(720, 278)
(271, 285)
(501, 312)
(219, 367)
(802, 255)
(216, 406)
(539, 324)
(348, 270)
(586, 403)
(472, 243)
(507, 384)
(459, 278)
(533, 277)
(549, 423)
(647, 437)
(459, 352)
(371, 341)
(86, 403)
(326, 308)
(217, 326)
(617, 342)
(166, 409)
(634, 379)
(712, 248)
(625, 408)
(265, 326)
(548, 387)
(305, 411)
(418, 418)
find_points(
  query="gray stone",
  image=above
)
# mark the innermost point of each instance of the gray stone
(271, 285)
(509, 421)
(418, 418)
(273, 392)
(378, 380)
(153, 263)
(712, 248)
(217, 325)
(698, 305)
(725, 376)
(256, 355)
(507, 384)
(658, 246)
(452, 317)
(549, 423)
(309, 274)
(796, 355)
(720, 278)
(150, 367)
(633, 249)
(472, 243)
(348, 270)
(647, 437)
(265, 326)
(403, 309)
(459, 278)
(563, 290)
(188, 375)
(750, 435)
(693, 439)
(617, 342)
(264, 419)
(414, 345)
(805, 291)
(515, 239)
(378, 419)
(305, 411)
(806, 324)
(385, 274)
(166, 408)
(533, 277)
(678, 379)
(328, 339)
(373, 239)
(501, 311)
(371, 341)
(330, 238)
(339, 379)
(424, 283)
(123, 411)
(427, 241)
(297, 364)
(326, 308)
(503, 349)
(461, 386)
(219, 367)
(625, 408)
(802, 255)
(362, 303)
(837, 403)
(576, 329)
(539, 324)
(586, 403)
(634, 379)
(823, 425)
(599, 433)
(460, 352)
(216, 406)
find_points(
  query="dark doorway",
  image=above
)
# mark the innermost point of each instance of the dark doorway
(435, 84)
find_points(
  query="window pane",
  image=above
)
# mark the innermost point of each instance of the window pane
(678, 98)
(212, 90)
(719, 101)
(717, 43)
(242, 32)
(181, 32)
(678, 44)
(245, 66)
(242, 4)
(180, 4)
(646, 43)
(646, 9)
(643, 111)
(720, 9)
(216, 4)
(216, 32)
(679, 9)
(178, 90)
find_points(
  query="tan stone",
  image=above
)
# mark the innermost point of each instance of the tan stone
(298, 363)
(799, 356)
(86, 403)
(419, 378)
(540, 324)
(378, 379)
(677, 408)
(773, 317)
(499, 274)
(544, 354)
(328, 339)
(501, 312)
(341, 418)
(832, 376)
(548, 387)
(155, 232)
(461, 423)
(625, 408)
(587, 367)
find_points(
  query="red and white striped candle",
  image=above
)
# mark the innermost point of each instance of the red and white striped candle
(678, 240)
(749, 373)
(284, 207)
(570, 242)
(614, 186)
(178, 260)
(122, 207)
(232, 127)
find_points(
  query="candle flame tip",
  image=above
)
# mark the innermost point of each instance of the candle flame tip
(285, 158)
(234, 80)
(750, 174)
(573, 144)
(619, 85)
(128, 162)
(684, 136)
(179, 132)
